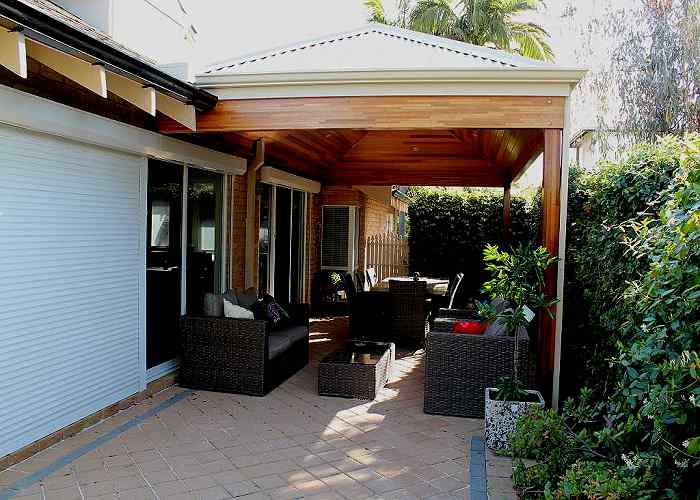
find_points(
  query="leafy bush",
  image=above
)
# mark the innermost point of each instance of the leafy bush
(604, 207)
(457, 225)
(642, 440)
(600, 480)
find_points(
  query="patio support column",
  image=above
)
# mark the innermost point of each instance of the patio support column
(506, 214)
(250, 229)
(551, 206)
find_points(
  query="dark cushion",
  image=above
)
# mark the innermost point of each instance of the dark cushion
(247, 297)
(267, 308)
(278, 344)
(259, 309)
(292, 333)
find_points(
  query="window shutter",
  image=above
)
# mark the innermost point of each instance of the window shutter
(337, 244)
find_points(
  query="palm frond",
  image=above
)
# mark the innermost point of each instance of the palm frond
(376, 12)
(531, 41)
(435, 17)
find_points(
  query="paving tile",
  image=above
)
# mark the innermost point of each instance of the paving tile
(212, 493)
(284, 493)
(382, 485)
(159, 477)
(137, 494)
(364, 475)
(448, 484)
(72, 493)
(241, 488)
(270, 482)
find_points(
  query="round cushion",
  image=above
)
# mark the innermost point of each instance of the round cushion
(469, 327)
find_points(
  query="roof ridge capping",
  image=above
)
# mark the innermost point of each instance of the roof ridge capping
(259, 54)
(486, 53)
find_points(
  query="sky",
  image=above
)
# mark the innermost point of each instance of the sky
(230, 28)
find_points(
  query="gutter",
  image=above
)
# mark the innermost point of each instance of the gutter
(58, 35)
(569, 76)
(396, 193)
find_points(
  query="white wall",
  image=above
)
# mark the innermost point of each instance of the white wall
(97, 13)
(590, 150)
(157, 29)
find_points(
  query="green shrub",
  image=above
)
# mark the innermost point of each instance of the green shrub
(599, 480)
(604, 205)
(455, 226)
(642, 438)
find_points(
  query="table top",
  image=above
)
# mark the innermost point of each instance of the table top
(434, 286)
(357, 352)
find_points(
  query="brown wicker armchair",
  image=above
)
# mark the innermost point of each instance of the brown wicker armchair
(242, 356)
(458, 368)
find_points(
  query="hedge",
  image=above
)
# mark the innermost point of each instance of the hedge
(449, 230)
(634, 248)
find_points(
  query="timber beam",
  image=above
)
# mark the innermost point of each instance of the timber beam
(377, 113)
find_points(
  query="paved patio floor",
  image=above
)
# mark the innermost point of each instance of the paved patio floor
(289, 444)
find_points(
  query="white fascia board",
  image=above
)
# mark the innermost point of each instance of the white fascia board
(13, 52)
(91, 76)
(184, 114)
(133, 92)
(272, 175)
(531, 81)
(34, 113)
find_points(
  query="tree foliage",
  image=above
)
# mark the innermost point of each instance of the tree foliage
(490, 23)
(650, 84)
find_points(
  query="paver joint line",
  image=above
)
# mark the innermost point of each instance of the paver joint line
(71, 457)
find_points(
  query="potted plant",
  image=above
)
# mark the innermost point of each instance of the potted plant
(518, 281)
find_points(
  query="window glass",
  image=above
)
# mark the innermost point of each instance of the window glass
(204, 261)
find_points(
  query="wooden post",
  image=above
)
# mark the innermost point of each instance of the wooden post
(506, 214)
(251, 231)
(551, 185)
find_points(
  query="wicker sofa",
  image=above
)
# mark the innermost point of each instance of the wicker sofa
(242, 356)
(458, 368)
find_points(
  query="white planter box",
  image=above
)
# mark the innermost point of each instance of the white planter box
(502, 415)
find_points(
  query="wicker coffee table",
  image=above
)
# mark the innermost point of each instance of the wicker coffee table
(357, 370)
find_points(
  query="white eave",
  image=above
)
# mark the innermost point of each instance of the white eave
(381, 60)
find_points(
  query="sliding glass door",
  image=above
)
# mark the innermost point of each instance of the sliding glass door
(204, 260)
(163, 261)
(185, 205)
(282, 242)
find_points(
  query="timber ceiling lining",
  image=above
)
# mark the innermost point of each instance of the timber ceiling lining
(458, 157)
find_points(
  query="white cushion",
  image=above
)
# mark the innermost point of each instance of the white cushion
(235, 311)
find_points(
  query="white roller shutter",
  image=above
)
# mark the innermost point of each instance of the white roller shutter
(70, 279)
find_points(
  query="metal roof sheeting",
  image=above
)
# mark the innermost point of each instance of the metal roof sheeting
(373, 47)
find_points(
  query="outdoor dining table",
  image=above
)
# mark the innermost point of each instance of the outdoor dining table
(434, 286)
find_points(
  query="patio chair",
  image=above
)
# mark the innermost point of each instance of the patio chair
(409, 310)
(458, 368)
(371, 276)
(360, 281)
(349, 287)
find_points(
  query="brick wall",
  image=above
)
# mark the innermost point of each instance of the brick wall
(375, 217)
(237, 233)
(313, 243)
(371, 213)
